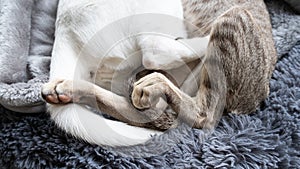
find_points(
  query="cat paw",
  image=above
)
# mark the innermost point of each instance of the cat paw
(148, 90)
(58, 92)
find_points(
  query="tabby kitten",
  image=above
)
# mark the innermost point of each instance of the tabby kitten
(240, 59)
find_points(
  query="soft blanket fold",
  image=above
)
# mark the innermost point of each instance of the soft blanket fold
(27, 34)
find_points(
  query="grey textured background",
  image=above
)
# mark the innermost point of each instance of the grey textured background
(26, 40)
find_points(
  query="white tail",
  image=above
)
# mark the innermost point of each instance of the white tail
(85, 124)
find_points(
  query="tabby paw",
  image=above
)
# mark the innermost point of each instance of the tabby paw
(148, 90)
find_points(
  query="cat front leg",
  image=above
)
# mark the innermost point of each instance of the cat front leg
(150, 88)
(164, 53)
(67, 92)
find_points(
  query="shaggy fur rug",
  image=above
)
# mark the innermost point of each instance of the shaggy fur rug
(268, 138)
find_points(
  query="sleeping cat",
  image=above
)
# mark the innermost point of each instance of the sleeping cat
(229, 70)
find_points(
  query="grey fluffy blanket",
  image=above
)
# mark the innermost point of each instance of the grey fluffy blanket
(26, 39)
(268, 138)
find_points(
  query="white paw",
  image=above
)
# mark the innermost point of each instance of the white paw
(161, 52)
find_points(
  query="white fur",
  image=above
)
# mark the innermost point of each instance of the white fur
(97, 23)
